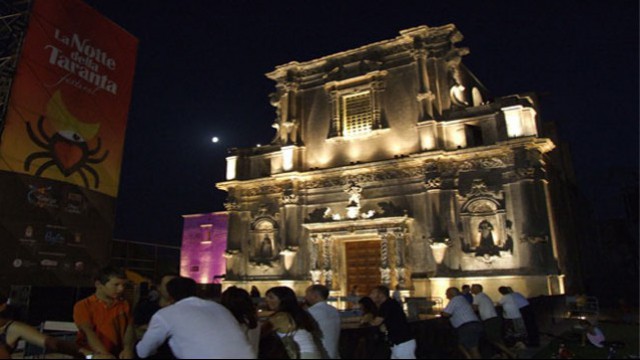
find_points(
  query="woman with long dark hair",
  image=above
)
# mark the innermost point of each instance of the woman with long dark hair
(239, 303)
(293, 325)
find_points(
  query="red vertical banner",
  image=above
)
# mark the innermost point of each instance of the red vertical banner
(70, 98)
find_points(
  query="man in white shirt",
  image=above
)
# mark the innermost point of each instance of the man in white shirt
(515, 328)
(327, 317)
(529, 318)
(196, 328)
(466, 323)
(483, 304)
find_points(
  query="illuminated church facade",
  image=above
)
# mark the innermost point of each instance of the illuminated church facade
(392, 164)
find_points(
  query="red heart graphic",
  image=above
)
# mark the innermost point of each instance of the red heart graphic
(68, 154)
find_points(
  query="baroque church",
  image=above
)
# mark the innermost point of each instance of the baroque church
(392, 164)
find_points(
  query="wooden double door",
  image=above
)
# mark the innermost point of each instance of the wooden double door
(363, 265)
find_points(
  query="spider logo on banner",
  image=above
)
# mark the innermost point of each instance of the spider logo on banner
(68, 148)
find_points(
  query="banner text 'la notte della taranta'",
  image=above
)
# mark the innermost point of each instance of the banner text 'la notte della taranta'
(84, 61)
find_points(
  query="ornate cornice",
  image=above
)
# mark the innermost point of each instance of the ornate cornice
(374, 176)
(438, 41)
(451, 167)
(520, 174)
(260, 190)
(359, 226)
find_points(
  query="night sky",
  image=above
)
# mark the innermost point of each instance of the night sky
(201, 64)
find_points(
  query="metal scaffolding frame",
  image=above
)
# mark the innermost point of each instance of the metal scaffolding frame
(14, 17)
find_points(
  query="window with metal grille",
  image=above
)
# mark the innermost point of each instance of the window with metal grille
(357, 114)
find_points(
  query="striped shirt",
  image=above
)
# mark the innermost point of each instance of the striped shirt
(461, 311)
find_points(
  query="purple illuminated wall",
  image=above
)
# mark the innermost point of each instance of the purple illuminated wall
(204, 241)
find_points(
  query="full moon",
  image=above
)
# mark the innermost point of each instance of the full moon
(215, 139)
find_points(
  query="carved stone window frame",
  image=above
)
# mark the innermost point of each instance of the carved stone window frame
(374, 84)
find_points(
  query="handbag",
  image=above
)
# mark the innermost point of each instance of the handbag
(291, 346)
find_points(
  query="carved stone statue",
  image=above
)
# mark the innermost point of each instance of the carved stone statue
(355, 193)
(508, 244)
(487, 246)
(457, 90)
(266, 248)
(286, 127)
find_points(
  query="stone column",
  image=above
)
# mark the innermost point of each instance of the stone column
(326, 259)
(238, 249)
(377, 87)
(425, 96)
(291, 118)
(400, 257)
(335, 128)
(314, 271)
(385, 270)
(291, 217)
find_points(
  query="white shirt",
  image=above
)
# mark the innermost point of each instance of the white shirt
(460, 310)
(196, 329)
(509, 307)
(485, 306)
(328, 319)
(253, 336)
(520, 300)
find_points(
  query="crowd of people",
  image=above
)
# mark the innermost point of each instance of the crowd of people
(473, 315)
(171, 321)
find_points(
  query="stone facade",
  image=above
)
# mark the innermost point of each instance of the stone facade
(395, 142)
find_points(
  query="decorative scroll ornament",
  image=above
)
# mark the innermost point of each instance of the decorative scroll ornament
(232, 205)
(316, 275)
(478, 188)
(491, 163)
(289, 197)
(433, 183)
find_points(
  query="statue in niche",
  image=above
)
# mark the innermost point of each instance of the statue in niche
(266, 248)
(508, 244)
(487, 246)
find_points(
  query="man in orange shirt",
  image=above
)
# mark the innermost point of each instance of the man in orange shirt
(104, 320)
